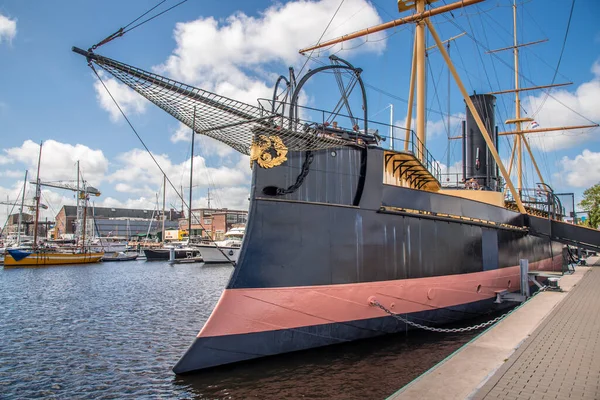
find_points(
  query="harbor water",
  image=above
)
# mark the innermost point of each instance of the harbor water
(115, 330)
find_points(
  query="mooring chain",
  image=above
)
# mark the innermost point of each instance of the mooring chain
(300, 179)
(442, 330)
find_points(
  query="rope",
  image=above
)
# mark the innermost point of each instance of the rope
(124, 29)
(562, 50)
(154, 159)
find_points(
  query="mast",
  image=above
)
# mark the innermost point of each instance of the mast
(392, 126)
(163, 210)
(422, 18)
(208, 196)
(420, 50)
(191, 174)
(517, 103)
(78, 226)
(38, 194)
(84, 224)
(21, 211)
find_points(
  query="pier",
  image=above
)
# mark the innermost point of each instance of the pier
(549, 348)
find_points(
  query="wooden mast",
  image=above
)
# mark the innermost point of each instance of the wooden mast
(517, 103)
(411, 94)
(422, 19)
(394, 23)
(420, 51)
(38, 194)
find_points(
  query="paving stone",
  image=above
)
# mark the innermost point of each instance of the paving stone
(561, 359)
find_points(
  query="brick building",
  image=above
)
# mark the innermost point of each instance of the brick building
(213, 222)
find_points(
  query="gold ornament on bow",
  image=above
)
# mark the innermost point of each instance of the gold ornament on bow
(268, 151)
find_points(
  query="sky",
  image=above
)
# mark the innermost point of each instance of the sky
(238, 49)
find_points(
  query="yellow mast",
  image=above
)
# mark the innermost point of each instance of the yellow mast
(420, 50)
(517, 102)
(421, 17)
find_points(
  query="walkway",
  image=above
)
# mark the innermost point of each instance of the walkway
(561, 359)
(479, 369)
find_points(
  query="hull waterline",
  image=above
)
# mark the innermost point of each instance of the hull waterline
(307, 269)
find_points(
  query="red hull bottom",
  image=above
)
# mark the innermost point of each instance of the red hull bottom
(252, 323)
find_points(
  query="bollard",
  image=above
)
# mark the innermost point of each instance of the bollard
(171, 254)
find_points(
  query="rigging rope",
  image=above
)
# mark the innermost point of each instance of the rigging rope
(121, 31)
(521, 75)
(559, 60)
(154, 159)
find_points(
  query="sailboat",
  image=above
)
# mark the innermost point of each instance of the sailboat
(37, 255)
(344, 231)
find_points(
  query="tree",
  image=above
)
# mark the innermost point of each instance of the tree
(591, 204)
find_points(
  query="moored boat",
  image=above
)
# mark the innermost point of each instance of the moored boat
(163, 254)
(119, 256)
(223, 251)
(41, 257)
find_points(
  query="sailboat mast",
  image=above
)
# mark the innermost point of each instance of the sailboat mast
(518, 140)
(163, 210)
(191, 174)
(420, 51)
(21, 211)
(78, 226)
(38, 194)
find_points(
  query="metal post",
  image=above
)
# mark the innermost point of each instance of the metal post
(163, 208)
(21, 211)
(524, 264)
(191, 176)
(392, 126)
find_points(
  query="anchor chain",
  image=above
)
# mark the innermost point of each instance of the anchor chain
(442, 330)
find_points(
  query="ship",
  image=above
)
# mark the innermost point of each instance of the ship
(343, 219)
(36, 255)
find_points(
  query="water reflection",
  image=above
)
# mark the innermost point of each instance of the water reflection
(115, 330)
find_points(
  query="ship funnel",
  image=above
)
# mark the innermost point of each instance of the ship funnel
(478, 163)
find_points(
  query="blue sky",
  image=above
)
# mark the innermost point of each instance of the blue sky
(47, 93)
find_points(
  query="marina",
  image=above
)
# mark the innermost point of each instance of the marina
(249, 229)
(118, 328)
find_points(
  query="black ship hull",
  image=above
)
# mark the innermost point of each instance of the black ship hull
(312, 261)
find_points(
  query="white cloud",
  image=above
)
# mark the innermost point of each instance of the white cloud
(138, 169)
(235, 198)
(182, 134)
(584, 100)
(142, 202)
(9, 173)
(8, 29)
(220, 56)
(433, 127)
(129, 101)
(59, 160)
(582, 171)
(205, 145)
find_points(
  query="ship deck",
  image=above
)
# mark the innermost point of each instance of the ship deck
(548, 348)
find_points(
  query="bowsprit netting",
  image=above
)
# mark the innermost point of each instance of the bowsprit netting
(232, 122)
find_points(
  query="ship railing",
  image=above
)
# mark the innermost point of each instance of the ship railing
(387, 136)
(540, 200)
(453, 180)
